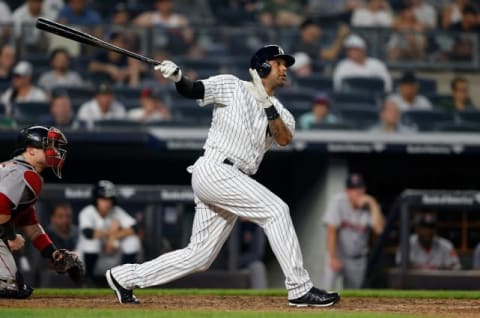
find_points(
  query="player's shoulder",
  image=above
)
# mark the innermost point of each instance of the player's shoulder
(226, 78)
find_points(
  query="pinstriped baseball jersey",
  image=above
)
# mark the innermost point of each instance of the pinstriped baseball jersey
(239, 125)
(223, 192)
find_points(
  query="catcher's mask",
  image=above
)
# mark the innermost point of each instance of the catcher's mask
(51, 140)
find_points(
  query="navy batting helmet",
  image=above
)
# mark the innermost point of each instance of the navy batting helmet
(51, 140)
(104, 189)
(259, 60)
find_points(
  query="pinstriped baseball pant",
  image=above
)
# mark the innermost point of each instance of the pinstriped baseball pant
(222, 194)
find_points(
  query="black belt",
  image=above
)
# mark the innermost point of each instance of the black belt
(230, 163)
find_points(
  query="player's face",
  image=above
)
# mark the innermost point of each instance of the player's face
(278, 73)
(355, 196)
(104, 205)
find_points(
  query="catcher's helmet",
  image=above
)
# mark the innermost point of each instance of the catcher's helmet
(51, 140)
(104, 189)
(259, 60)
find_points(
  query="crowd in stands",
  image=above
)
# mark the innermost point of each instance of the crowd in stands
(344, 50)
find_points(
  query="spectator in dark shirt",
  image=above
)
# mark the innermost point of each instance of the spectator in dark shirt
(7, 61)
(61, 229)
(76, 12)
(118, 67)
(461, 99)
(470, 27)
(61, 113)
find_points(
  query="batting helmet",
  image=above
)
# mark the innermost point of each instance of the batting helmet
(51, 140)
(105, 189)
(259, 60)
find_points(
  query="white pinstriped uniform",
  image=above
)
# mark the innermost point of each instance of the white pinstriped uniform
(224, 192)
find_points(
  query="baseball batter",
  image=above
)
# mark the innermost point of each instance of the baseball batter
(247, 120)
(20, 186)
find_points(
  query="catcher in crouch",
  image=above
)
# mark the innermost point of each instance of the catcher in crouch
(38, 148)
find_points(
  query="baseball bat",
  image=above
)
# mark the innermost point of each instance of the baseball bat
(85, 38)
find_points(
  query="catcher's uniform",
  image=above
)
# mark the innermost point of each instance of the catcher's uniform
(20, 186)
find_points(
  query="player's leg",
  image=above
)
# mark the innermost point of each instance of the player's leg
(211, 227)
(236, 192)
(354, 272)
(11, 281)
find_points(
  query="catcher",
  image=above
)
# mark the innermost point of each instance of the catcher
(38, 148)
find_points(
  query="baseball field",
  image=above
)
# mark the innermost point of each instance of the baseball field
(188, 303)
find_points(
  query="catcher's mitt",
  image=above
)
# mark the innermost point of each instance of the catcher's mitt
(68, 262)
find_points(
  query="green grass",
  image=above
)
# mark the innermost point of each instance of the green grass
(391, 293)
(110, 313)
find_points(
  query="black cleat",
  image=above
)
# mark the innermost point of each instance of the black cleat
(124, 296)
(315, 298)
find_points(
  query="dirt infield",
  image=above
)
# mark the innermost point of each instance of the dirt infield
(458, 308)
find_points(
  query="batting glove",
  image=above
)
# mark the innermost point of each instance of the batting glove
(169, 70)
(260, 94)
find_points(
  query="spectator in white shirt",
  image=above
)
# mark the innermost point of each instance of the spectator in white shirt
(102, 106)
(22, 89)
(151, 108)
(24, 18)
(5, 13)
(376, 13)
(425, 13)
(358, 64)
(408, 97)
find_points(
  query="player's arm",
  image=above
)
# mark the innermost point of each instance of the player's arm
(185, 87)
(332, 236)
(280, 132)
(378, 220)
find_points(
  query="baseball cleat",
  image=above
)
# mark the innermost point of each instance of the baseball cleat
(315, 298)
(124, 296)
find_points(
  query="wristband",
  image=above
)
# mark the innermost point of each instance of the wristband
(272, 113)
(44, 244)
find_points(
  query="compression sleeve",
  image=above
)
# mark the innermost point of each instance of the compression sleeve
(190, 89)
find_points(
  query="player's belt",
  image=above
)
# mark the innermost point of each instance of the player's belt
(230, 163)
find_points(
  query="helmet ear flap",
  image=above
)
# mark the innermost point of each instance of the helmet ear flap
(263, 67)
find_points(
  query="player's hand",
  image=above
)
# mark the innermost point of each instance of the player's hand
(169, 70)
(335, 264)
(261, 95)
(17, 243)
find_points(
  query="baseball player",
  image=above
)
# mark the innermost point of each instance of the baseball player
(350, 216)
(38, 148)
(247, 120)
(106, 229)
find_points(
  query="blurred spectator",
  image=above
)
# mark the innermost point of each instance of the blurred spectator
(408, 42)
(77, 12)
(22, 89)
(320, 112)
(408, 97)
(311, 41)
(303, 65)
(61, 229)
(464, 46)
(60, 74)
(61, 113)
(107, 232)
(7, 61)
(24, 18)
(118, 67)
(5, 13)
(461, 99)
(282, 13)
(376, 13)
(390, 116)
(452, 12)
(252, 250)
(349, 217)
(425, 13)
(120, 22)
(201, 8)
(336, 10)
(163, 15)
(151, 108)
(235, 12)
(52, 7)
(180, 38)
(102, 106)
(358, 64)
(427, 250)
(476, 258)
